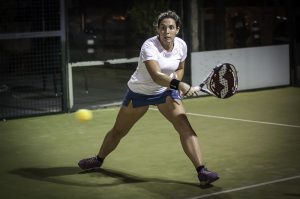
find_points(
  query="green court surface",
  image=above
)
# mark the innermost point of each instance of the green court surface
(252, 140)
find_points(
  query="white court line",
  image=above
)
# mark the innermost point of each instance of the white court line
(245, 187)
(237, 119)
(243, 120)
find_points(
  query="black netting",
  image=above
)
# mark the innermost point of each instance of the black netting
(29, 16)
(31, 77)
(30, 58)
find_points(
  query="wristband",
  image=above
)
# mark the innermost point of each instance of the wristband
(174, 84)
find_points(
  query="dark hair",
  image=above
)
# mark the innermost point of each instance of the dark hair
(168, 14)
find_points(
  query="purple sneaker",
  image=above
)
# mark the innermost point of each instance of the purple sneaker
(89, 163)
(206, 177)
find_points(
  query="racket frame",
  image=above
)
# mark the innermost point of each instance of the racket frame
(208, 77)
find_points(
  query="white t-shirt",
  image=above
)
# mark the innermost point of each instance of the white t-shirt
(141, 81)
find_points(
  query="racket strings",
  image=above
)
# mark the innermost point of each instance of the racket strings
(223, 81)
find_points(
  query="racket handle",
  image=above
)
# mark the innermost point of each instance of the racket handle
(198, 88)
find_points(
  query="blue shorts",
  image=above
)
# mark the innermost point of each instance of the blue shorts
(145, 100)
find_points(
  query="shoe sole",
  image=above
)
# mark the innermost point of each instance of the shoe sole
(86, 169)
(203, 183)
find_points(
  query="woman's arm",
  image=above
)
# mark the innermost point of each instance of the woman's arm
(180, 71)
(163, 79)
(156, 74)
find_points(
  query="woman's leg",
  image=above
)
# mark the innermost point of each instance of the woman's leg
(175, 113)
(126, 118)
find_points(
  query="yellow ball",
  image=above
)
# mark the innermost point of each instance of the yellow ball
(84, 114)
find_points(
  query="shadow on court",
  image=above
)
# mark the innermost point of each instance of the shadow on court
(165, 187)
(49, 174)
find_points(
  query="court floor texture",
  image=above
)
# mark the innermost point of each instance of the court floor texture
(251, 139)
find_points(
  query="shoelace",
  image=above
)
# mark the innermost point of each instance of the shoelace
(205, 171)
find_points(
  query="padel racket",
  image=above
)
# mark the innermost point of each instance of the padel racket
(222, 82)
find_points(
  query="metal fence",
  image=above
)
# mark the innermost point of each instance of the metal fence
(31, 57)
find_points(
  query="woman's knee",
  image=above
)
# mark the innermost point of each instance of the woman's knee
(183, 126)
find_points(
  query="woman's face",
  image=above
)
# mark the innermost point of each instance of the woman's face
(167, 31)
